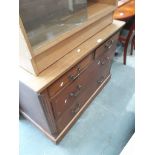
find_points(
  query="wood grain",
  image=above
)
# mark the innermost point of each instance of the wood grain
(51, 74)
(125, 11)
(70, 124)
(55, 126)
(66, 79)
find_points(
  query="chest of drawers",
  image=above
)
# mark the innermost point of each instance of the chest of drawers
(64, 93)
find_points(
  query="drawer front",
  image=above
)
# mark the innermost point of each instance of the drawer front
(107, 48)
(67, 116)
(70, 100)
(67, 97)
(72, 93)
(105, 62)
(90, 85)
(70, 76)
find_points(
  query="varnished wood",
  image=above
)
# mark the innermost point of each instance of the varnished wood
(104, 48)
(25, 52)
(88, 86)
(51, 74)
(44, 98)
(125, 11)
(41, 100)
(70, 124)
(100, 69)
(70, 76)
(80, 87)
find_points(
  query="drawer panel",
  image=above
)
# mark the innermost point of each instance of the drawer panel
(66, 98)
(83, 86)
(67, 116)
(105, 63)
(70, 76)
(88, 81)
(91, 84)
(75, 91)
(107, 47)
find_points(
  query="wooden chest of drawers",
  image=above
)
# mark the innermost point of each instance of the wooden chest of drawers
(55, 107)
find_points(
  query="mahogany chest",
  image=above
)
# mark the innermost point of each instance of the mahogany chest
(67, 88)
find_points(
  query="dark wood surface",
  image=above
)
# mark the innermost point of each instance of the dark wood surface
(100, 69)
(106, 47)
(125, 11)
(89, 86)
(60, 116)
(69, 77)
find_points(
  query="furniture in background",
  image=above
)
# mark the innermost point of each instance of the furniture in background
(126, 12)
(127, 39)
(122, 2)
(59, 54)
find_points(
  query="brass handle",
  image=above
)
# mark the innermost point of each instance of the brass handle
(76, 109)
(109, 43)
(100, 80)
(108, 59)
(103, 62)
(74, 94)
(73, 77)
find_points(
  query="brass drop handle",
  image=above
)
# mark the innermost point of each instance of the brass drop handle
(100, 80)
(108, 59)
(103, 62)
(76, 109)
(109, 44)
(73, 77)
(76, 93)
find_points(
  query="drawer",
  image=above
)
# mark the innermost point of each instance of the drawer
(70, 76)
(107, 48)
(67, 97)
(75, 91)
(92, 79)
(67, 116)
(105, 63)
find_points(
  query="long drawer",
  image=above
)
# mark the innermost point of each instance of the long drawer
(70, 76)
(107, 49)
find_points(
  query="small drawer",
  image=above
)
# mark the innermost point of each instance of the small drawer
(105, 61)
(70, 76)
(107, 47)
(104, 65)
